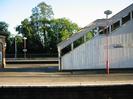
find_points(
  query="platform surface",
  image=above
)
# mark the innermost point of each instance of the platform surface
(8, 79)
(47, 75)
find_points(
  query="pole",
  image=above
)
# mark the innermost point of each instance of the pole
(15, 47)
(4, 50)
(107, 12)
(25, 50)
(107, 51)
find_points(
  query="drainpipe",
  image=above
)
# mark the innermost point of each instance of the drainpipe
(59, 58)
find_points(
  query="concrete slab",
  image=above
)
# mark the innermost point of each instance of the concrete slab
(62, 79)
(48, 76)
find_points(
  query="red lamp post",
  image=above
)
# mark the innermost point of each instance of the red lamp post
(107, 12)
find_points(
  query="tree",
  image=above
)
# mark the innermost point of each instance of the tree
(43, 32)
(63, 28)
(41, 11)
(59, 30)
(4, 27)
(9, 39)
(45, 11)
(41, 16)
(27, 29)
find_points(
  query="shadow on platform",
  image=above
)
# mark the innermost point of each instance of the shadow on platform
(29, 69)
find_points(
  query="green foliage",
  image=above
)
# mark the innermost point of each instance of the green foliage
(4, 28)
(63, 28)
(89, 35)
(45, 11)
(9, 47)
(43, 32)
(78, 42)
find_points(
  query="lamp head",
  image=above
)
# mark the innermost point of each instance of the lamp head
(107, 12)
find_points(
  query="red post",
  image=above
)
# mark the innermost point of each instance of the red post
(107, 12)
(107, 53)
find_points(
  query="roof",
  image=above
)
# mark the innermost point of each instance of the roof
(96, 23)
(122, 13)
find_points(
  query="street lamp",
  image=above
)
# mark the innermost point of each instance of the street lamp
(107, 12)
(15, 47)
(25, 50)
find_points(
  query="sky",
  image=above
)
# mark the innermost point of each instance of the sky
(81, 12)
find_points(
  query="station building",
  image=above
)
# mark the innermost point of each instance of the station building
(2, 48)
(88, 48)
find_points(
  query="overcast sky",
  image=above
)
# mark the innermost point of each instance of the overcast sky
(81, 12)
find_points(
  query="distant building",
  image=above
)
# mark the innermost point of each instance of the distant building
(87, 48)
(2, 49)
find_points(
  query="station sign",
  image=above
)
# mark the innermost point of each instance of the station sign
(24, 50)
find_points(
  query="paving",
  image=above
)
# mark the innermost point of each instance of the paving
(48, 76)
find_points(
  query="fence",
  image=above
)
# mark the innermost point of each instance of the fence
(32, 55)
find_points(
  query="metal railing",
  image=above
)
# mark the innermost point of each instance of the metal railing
(32, 56)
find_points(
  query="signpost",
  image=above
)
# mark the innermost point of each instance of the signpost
(25, 50)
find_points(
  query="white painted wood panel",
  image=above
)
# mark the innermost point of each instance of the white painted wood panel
(92, 54)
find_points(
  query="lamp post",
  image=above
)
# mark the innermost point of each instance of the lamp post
(25, 50)
(15, 47)
(107, 12)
